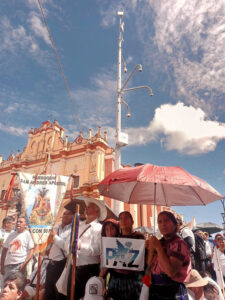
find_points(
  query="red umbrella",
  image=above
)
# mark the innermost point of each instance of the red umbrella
(150, 184)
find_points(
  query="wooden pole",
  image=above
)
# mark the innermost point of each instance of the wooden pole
(38, 274)
(73, 278)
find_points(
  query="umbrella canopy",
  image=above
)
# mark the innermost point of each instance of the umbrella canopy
(151, 184)
(209, 227)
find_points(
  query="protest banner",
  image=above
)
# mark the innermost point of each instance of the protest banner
(42, 196)
(123, 253)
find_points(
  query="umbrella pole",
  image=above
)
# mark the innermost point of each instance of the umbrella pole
(154, 205)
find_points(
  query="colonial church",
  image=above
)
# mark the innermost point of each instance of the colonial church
(89, 159)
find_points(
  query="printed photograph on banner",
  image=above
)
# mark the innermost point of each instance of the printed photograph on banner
(121, 253)
(42, 196)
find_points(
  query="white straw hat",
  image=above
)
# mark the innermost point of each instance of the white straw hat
(99, 203)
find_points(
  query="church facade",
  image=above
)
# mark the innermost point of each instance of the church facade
(89, 159)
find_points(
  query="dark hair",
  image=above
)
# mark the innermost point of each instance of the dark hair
(169, 215)
(127, 213)
(210, 288)
(22, 217)
(18, 278)
(7, 219)
(114, 223)
(179, 222)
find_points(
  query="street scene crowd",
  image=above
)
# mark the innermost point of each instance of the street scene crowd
(179, 263)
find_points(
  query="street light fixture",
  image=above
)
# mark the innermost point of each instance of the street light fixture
(121, 138)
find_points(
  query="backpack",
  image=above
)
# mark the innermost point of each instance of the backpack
(200, 253)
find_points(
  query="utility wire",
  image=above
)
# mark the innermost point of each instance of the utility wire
(60, 66)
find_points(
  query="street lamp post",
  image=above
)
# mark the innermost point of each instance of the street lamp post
(121, 138)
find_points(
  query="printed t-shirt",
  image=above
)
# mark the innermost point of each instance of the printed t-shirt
(19, 245)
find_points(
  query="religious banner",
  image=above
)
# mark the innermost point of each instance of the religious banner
(123, 253)
(42, 196)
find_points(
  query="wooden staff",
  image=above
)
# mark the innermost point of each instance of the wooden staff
(38, 274)
(73, 279)
(220, 271)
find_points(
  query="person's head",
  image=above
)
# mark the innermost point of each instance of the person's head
(205, 236)
(67, 217)
(180, 223)
(95, 209)
(211, 292)
(92, 210)
(199, 232)
(220, 241)
(167, 223)
(126, 221)
(196, 284)
(110, 228)
(21, 224)
(8, 223)
(14, 285)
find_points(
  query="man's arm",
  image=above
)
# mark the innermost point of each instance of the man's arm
(4, 252)
(29, 256)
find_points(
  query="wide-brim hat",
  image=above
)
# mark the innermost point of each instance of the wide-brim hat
(196, 280)
(99, 203)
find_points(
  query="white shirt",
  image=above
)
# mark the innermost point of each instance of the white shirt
(186, 232)
(4, 235)
(208, 249)
(56, 252)
(90, 250)
(221, 260)
(19, 245)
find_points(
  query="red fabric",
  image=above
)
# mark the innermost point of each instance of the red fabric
(177, 248)
(146, 280)
(8, 192)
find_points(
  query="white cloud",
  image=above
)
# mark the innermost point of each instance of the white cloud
(17, 131)
(184, 129)
(185, 41)
(38, 27)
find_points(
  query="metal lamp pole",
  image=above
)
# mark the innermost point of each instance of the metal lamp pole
(121, 138)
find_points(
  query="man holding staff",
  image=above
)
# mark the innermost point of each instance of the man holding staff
(57, 256)
(89, 245)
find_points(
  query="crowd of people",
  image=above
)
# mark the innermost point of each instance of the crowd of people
(180, 264)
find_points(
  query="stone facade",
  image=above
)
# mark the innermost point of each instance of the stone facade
(90, 159)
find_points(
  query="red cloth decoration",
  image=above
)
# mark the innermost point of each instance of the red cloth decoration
(146, 280)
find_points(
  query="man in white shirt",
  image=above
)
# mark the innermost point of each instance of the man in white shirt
(89, 245)
(18, 249)
(57, 256)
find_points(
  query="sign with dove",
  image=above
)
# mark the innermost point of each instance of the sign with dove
(123, 253)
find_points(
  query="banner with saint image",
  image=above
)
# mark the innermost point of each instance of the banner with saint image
(42, 196)
(123, 253)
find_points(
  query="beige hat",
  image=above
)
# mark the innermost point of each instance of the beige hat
(99, 203)
(196, 280)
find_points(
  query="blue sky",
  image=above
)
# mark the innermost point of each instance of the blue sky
(181, 47)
